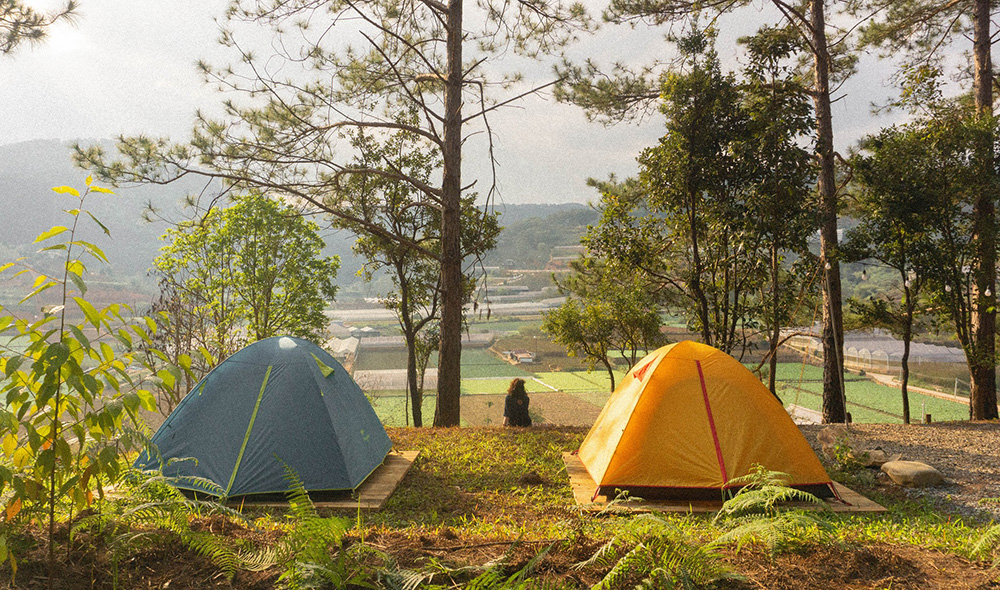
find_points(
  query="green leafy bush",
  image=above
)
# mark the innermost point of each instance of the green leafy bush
(71, 384)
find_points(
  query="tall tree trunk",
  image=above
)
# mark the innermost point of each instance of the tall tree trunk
(695, 281)
(410, 336)
(411, 379)
(775, 321)
(411, 372)
(448, 411)
(833, 322)
(983, 395)
(904, 376)
(611, 371)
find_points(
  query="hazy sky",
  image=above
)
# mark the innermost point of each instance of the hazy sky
(128, 67)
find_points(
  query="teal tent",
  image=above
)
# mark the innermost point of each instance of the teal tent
(279, 402)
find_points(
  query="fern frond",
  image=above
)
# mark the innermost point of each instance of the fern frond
(518, 578)
(605, 555)
(776, 533)
(406, 579)
(760, 477)
(258, 560)
(763, 500)
(660, 555)
(634, 562)
(491, 579)
(299, 503)
(986, 546)
(214, 549)
(761, 492)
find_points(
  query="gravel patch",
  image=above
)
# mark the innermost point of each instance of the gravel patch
(966, 453)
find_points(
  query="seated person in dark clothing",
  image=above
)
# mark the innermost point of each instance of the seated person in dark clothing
(515, 406)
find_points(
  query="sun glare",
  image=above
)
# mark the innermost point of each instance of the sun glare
(64, 38)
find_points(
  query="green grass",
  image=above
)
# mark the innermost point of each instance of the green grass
(485, 373)
(501, 326)
(480, 363)
(467, 479)
(878, 397)
(374, 359)
(796, 371)
(571, 381)
(392, 409)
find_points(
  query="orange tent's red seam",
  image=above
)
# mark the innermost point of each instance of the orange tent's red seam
(711, 424)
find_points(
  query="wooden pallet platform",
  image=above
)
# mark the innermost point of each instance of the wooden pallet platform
(374, 492)
(583, 491)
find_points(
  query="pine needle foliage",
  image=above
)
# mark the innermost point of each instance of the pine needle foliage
(652, 553)
(754, 516)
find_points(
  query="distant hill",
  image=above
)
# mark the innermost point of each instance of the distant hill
(29, 170)
(531, 231)
(511, 214)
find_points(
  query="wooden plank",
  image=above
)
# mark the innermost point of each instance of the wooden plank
(853, 501)
(584, 487)
(375, 491)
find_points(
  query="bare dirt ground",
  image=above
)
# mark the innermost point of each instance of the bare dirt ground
(966, 453)
(552, 408)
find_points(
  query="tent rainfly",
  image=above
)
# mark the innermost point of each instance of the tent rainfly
(279, 403)
(686, 420)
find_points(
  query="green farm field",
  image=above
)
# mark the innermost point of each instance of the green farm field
(870, 402)
(484, 373)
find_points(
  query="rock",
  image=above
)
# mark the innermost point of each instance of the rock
(912, 474)
(833, 438)
(831, 434)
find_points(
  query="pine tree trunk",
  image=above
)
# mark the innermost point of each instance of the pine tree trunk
(905, 362)
(775, 321)
(448, 411)
(983, 395)
(611, 372)
(833, 324)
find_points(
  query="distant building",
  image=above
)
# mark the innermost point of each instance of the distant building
(562, 256)
(366, 332)
(520, 357)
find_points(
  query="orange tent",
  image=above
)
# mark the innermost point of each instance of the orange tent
(687, 419)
